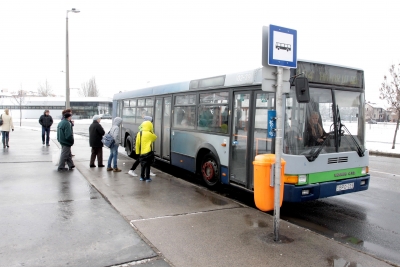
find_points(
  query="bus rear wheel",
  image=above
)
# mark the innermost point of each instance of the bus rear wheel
(210, 170)
(129, 147)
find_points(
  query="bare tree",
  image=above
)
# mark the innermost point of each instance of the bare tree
(89, 88)
(45, 89)
(19, 98)
(390, 91)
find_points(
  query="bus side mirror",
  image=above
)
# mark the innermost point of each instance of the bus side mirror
(302, 90)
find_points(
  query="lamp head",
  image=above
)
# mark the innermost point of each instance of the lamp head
(75, 10)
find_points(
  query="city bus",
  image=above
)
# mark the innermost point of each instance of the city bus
(216, 126)
(283, 46)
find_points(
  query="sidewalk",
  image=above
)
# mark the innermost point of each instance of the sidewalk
(50, 218)
(191, 226)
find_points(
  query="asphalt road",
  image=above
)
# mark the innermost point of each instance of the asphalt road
(367, 220)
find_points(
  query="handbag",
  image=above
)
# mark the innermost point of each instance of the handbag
(149, 156)
(1, 119)
(108, 140)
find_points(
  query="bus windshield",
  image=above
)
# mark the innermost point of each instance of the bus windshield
(311, 127)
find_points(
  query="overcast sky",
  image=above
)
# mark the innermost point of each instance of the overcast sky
(130, 44)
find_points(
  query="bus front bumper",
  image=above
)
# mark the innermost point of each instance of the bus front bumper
(293, 193)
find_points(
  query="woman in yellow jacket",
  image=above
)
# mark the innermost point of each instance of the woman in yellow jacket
(6, 127)
(144, 145)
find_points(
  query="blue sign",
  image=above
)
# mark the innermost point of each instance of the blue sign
(271, 130)
(282, 47)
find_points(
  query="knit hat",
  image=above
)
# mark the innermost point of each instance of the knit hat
(96, 117)
(67, 115)
(148, 118)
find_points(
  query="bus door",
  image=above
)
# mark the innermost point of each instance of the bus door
(157, 121)
(239, 163)
(261, 143)
(162, 127)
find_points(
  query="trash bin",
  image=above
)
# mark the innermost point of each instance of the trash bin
(263, 191)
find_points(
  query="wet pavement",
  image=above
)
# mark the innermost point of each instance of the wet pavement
(50, 218)
(191, 226)
(366, 220)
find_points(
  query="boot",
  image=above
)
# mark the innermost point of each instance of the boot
(7, 142)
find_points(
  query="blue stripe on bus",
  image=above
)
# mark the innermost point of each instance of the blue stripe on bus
(183, 161)
(224, 179)
(293, 193)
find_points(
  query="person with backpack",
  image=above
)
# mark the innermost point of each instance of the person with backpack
(46, 121)
(114, 132)
(144, 144)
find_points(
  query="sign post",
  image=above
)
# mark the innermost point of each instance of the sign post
(282, 53)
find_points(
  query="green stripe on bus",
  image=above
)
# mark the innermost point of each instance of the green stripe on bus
(334, 175)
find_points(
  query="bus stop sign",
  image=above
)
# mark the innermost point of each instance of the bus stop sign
(282, 47)
(271, 130)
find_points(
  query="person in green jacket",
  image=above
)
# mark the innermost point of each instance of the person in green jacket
(66, 138)
(144, 141)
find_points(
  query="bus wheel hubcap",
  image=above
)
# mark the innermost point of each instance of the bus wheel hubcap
(208, 170)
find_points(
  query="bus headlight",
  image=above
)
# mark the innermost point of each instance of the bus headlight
(364, 170)
(302, 178)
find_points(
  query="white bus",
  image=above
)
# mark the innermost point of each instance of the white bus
(216, 126)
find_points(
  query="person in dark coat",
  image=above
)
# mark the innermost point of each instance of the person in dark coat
(66, 138)
(71, 121)
(46, 121)
(96, 133)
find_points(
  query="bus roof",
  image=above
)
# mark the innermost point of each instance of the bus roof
(245, 78)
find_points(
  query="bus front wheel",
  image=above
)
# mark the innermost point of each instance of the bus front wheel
(210, 170)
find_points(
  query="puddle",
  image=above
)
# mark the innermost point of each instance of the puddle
(255, 223)
(348, 239)
(214, 199)
(336, 261)
(269, 238)
(217, 201)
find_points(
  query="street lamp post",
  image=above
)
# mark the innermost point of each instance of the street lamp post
(67, 89)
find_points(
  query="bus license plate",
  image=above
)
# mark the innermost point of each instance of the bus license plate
(342, 187)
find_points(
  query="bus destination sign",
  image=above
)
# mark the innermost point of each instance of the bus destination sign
(325, 74)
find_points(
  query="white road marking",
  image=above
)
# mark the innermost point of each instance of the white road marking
(383, 172)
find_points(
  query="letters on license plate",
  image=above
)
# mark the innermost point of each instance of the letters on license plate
(342, 187)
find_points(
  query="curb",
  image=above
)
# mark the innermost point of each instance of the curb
(384, 154)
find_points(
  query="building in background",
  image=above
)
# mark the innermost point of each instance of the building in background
(375, 112)
(4, 93)
(33, 107)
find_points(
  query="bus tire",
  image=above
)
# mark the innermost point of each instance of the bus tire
(130, 147)
(209, 170)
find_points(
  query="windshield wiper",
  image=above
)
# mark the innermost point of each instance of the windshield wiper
(340, 133)
(314, 153)
(360, 151)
